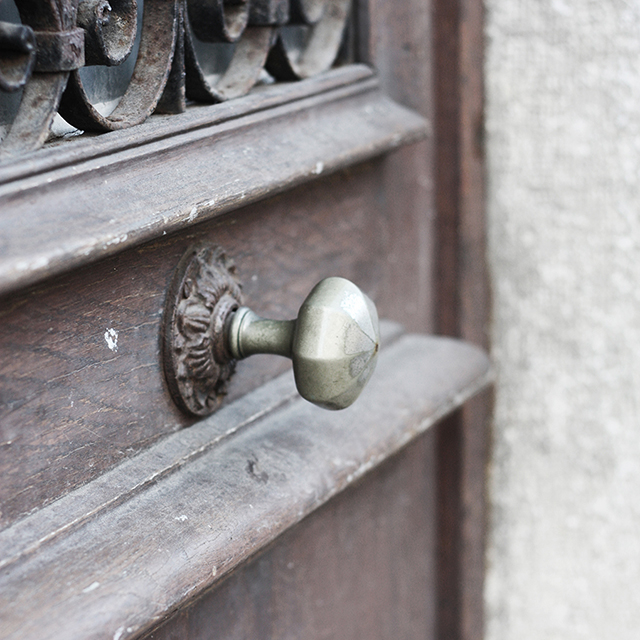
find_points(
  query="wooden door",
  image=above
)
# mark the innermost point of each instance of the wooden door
(122, 515)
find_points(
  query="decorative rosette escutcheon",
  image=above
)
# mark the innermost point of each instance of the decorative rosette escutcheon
(333, 342)
(197, 363)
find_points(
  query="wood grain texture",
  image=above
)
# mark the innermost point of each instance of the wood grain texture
(69, 152)
(143, 189)
(71, 408)
(361, 566)
(207, 498)
(463, 304)
(95, 430)
(396, 41)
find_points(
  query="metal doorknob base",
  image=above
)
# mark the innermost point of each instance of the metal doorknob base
(333, 342)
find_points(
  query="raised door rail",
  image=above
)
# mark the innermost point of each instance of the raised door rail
(203, 500)
(43, 56)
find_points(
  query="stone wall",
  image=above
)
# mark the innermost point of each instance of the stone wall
(563, 152)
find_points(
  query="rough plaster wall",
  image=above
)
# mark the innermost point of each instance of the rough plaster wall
(563, 144)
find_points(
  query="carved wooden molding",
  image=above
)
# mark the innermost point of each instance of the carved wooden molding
(291, 39)
(211, 478)
(133, 186)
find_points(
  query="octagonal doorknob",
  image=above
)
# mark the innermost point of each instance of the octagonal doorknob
(333, 342)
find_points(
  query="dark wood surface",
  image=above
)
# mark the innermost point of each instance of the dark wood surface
(430, 57)
(78, 418)
(192, 168)
(71, 408)
(463, 308)
(360, 567)
(178, 517)
(397, 41)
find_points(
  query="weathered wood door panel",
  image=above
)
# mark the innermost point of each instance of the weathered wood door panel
(361, 566)
(123, 517)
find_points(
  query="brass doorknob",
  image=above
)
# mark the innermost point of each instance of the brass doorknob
(333, 343)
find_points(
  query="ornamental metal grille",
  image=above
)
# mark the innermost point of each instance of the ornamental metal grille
(104, 65)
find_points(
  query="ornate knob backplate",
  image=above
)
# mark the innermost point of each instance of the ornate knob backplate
(197, 365)
(333, 342)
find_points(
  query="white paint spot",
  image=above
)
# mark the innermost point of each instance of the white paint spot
(254, 277)
(92, 587)
(111, 338)
(181, 518)
(214, 571)
(319, 168)
(118, 634)
(193, 214)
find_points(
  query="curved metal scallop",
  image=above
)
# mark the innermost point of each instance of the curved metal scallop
(168, 63)
(30, 128)
(218, 20)
(110, 30)
(302, 52)
(42, 91)
(306, 11)
(161, 26)
(17, 55)
(246, 61)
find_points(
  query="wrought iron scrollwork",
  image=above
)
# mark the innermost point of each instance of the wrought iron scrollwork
(43, 56)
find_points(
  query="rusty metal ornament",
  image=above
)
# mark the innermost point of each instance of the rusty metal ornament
(161, 25)
(110, 30)
(56, 34)
(197, 363)
(307, 11)
(241, 74)
(218, 20)
(18, 44)
(247, 59)
(43, 55)
(304, 51)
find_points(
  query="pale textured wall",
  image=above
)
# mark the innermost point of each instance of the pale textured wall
(563, 144)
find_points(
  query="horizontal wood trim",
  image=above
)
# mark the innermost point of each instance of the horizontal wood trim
(72, 408)
(75, 205)
(114, 557)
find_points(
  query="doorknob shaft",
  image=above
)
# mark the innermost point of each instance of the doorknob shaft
(333, 343)
(248, 334)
